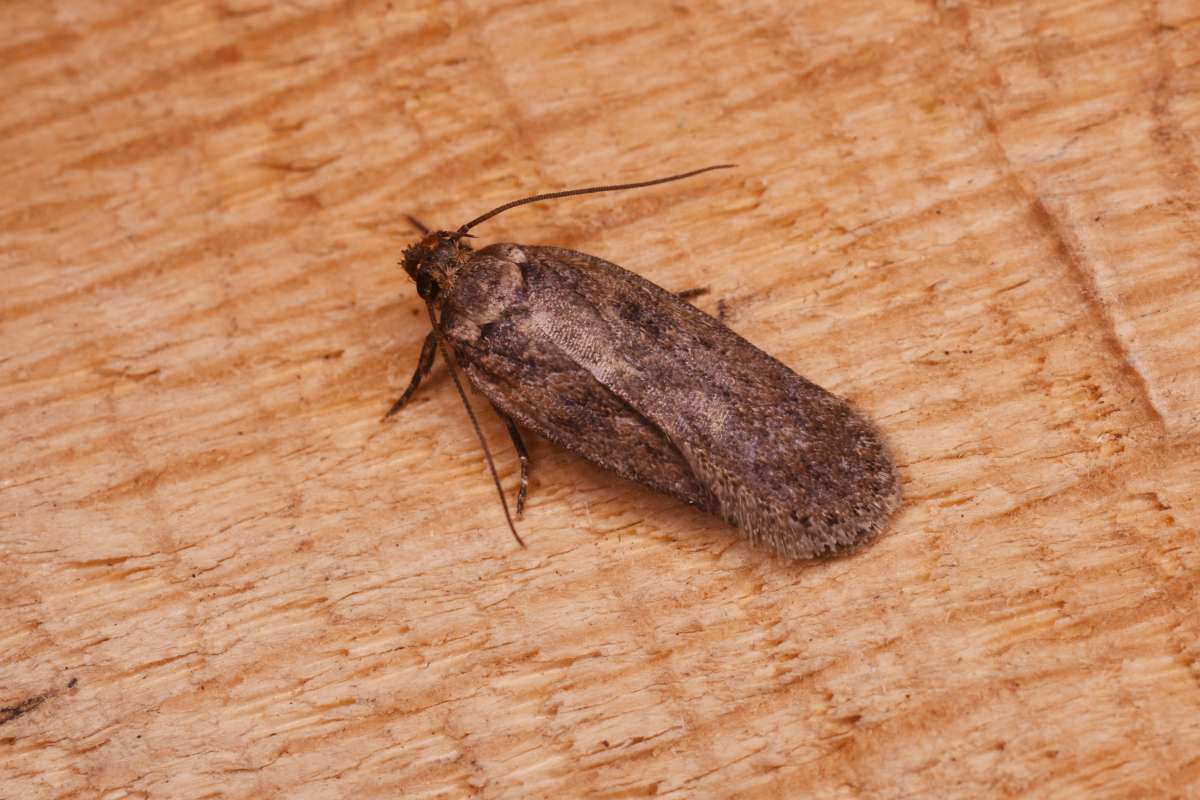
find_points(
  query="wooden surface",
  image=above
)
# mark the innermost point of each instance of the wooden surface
(222, 576)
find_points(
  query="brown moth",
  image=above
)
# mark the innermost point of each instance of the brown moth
(640, 382)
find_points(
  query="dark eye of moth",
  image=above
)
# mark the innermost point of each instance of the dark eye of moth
(427, 287)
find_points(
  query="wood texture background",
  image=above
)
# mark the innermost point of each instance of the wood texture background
(222, 576)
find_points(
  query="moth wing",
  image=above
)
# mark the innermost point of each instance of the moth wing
(529, 378)
(792, 465)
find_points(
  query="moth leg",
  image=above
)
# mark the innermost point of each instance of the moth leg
(424, 364)
(689, 294)
(519, 446)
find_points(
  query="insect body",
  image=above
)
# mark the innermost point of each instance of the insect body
(631, 377)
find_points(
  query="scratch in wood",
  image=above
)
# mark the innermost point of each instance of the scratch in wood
(9, 713)
(697, 778)
(1077, 268)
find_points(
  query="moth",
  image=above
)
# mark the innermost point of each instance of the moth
(638, 381)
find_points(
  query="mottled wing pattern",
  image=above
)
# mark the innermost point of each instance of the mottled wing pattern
(790, 464)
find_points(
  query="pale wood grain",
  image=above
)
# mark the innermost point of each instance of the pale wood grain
(222, 576)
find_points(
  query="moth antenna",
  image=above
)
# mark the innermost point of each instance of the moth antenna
(416, 223)
(474, 422)
(587, 190)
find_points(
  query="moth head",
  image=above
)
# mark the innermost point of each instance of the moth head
(433, 262)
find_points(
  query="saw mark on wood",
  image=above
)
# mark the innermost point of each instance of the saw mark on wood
(1079, 270)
